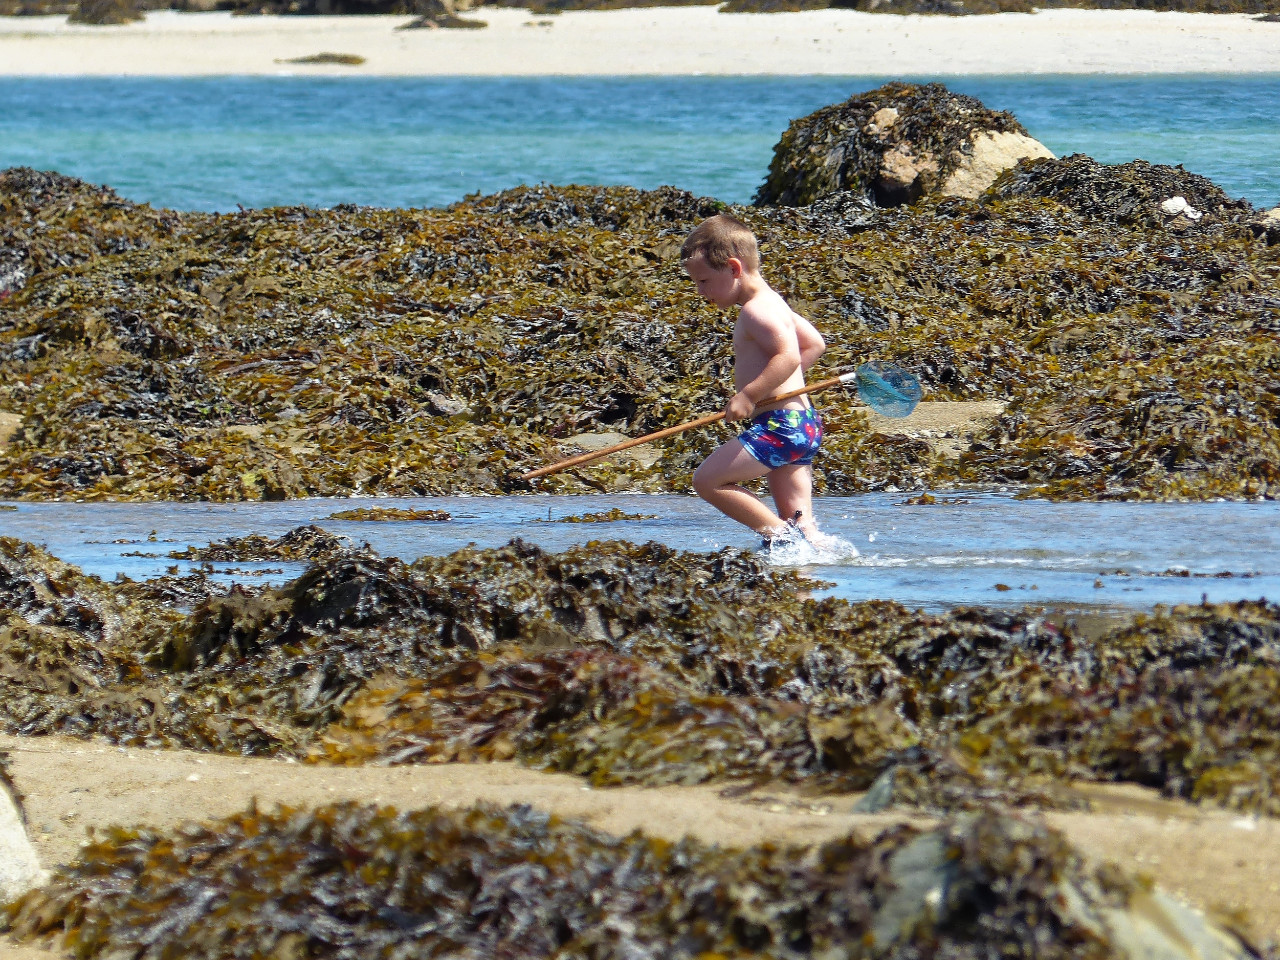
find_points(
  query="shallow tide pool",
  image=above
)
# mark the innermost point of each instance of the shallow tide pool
(982, 548)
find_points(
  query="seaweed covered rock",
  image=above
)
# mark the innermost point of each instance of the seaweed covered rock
(895, 145)
(516, 882)
(323, 7)
(48, 220)
(611, 719)
(435, 14)
(309, 543)
(42, 590)
(617, 662)
(36, 8)
(1135, 194)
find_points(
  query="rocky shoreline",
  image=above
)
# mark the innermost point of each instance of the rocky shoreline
(1123, 319)
(1125, 316)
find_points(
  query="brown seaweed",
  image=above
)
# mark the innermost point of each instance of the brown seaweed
(612, 515)
(293, 352)
(416, 514)
(631, 664)
(353, 881)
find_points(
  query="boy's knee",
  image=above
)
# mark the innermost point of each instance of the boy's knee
(703, 483)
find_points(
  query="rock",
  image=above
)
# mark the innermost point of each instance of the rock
(879, 795)
(13, 271)
(10, 424)
(446, 406)
(1178, 205)
(643, 454)
(1267, 226)
(19, 866)
(939, 879)
(895, 145)
(990, 155)
(444, 19)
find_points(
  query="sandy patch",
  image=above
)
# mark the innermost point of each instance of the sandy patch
(661, 40)
(10, 423)
(1211, 858)
(642, 454)
(947, 426)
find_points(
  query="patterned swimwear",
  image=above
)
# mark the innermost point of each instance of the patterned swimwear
(781, 438)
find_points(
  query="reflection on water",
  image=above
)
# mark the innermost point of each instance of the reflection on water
(966, 549)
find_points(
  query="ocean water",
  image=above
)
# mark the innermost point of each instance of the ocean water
(980, 548)
(213, 143)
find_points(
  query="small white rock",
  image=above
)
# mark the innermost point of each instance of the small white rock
(1176, 205)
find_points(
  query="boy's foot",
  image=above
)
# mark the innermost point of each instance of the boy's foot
(790, 532)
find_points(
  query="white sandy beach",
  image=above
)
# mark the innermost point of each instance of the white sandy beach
(663, 40)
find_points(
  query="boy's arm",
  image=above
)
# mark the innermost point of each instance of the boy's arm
(811, 343)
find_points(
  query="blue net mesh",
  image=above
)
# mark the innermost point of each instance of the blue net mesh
(887, 389)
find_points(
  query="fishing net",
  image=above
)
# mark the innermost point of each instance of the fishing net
(887, 389)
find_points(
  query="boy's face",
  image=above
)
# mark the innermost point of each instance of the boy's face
(717, 284)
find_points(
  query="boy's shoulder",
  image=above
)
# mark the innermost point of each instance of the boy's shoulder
(767, 306)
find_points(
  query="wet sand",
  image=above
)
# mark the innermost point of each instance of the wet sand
(656, 40)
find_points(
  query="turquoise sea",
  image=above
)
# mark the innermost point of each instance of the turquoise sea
(213, 143)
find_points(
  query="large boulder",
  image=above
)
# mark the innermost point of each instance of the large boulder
(895, 145)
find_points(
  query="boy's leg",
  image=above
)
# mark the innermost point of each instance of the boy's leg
(792, 489)
(718, 481)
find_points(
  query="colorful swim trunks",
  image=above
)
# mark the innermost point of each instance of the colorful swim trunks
(780, 438)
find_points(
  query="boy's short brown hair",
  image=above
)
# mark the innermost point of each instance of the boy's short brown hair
(720, 237)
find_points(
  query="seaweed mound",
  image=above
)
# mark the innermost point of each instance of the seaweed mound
(352, 881)
(1136, 194)
(627, 664)
(895, 145)
(48, 220)
(293, 352)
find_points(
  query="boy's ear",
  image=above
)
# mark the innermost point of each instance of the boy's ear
(734, 264)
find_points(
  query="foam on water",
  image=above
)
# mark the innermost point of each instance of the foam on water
(819, 550)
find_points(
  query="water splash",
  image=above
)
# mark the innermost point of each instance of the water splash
(819, 550)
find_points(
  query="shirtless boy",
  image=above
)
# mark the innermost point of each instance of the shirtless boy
(773, 346)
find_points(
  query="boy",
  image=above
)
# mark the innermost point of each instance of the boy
(773, 346)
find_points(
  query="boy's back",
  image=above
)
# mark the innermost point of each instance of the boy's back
(769, 330)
